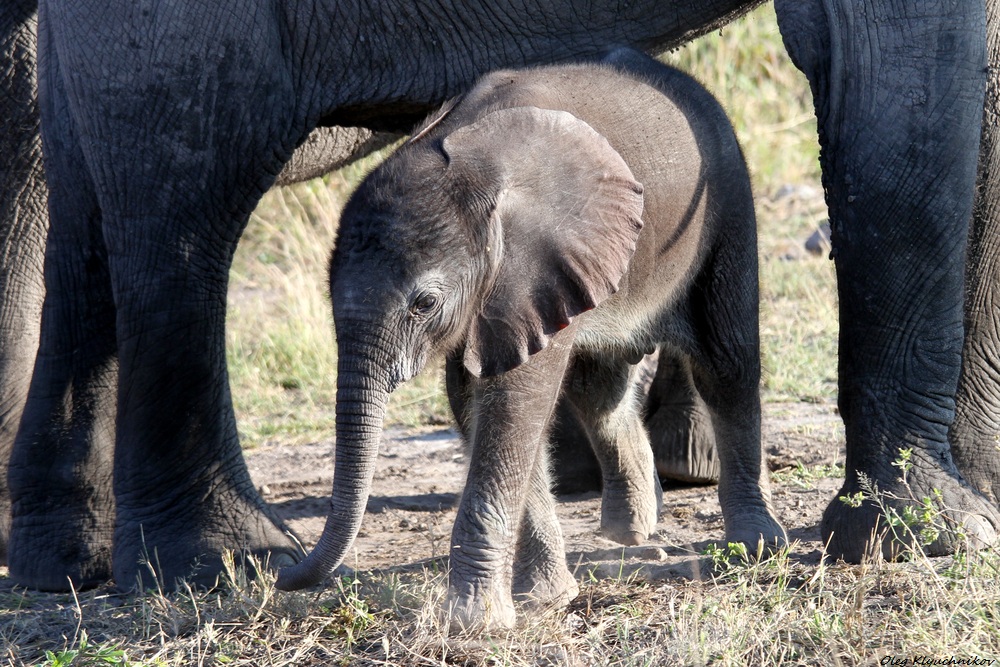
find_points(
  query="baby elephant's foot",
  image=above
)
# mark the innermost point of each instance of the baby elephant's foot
(538, 588)
(479, 610)
(630, 509)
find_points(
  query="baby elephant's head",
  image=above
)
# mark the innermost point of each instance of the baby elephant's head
(491, 234)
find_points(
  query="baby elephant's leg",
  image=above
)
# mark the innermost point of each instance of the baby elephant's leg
(540, 574)
(726, 370)
(508, 429)
(604, 390)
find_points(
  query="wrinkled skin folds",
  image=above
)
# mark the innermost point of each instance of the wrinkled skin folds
(163, 123)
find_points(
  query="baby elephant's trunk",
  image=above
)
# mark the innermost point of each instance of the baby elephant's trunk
(362, 395)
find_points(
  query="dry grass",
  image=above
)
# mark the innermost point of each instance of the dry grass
(774, 612)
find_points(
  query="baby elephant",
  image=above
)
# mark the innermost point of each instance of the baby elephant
(545, 232)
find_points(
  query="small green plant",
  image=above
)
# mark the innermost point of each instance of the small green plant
(352, 618)
(805, 477)
(907, 520)
(729, 560)
(87, 654)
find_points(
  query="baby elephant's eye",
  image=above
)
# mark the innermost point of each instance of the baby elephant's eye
(424, 303)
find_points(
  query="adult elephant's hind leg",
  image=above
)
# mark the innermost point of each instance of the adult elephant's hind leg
(898, 90)
(60, 467)
(975, 435)
(23, 224)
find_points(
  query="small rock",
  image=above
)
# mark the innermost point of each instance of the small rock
(792, 190)
(819, 242)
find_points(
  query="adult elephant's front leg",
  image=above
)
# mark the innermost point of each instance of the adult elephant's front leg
(898, 91)
(183, 492)
(143, 284)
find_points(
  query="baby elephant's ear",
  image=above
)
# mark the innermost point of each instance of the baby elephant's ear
(566, 224)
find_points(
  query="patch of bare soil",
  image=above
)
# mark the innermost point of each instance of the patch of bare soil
(421, 473)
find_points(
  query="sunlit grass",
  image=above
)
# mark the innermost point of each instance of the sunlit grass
(779, 611)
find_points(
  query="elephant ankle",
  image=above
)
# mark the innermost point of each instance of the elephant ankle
(47, 558)
(162, 549)
(60, 549)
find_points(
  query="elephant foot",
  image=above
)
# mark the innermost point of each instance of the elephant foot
(474, 611)
(680, 427)
(931, 510)
(56, 550)
(548, 585)
(158, 549)
(758, 531)
(683, 445)
(630, 509)
(976, 450)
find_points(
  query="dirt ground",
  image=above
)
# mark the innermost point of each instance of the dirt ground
(420, 476)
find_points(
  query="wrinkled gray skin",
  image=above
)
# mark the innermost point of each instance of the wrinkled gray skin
(163, 123)
(677, 419)
(513, 235)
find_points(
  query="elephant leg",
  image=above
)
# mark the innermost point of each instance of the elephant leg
(540, 573)
(574, 465)
(23, 225)
(182, 492)
(182, 486)
(510, 429)
(605, 389)
(899, 129)
(459, 387)
(680, 424)
(724, 365)
(729, 384)
(573, 462)
(975, 434)
(541, 577)
(60, 468)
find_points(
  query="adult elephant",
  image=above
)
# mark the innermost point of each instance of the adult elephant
(163, 123)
